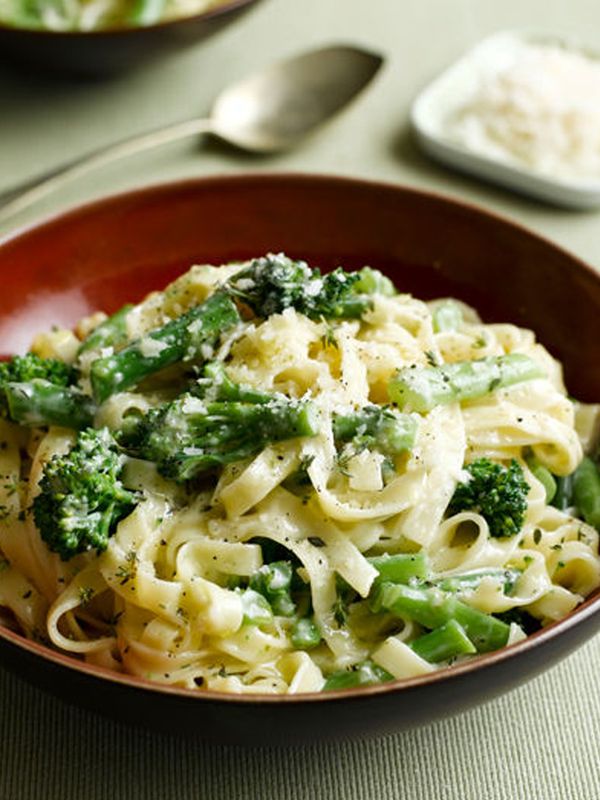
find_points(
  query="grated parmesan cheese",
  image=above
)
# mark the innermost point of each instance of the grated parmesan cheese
(541, 112)
(364, 471)
(150, 347)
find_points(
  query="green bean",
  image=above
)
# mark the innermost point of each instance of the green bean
(447, 641)
(256, 608)
(469, 581)
(401, 568)
(274, 582)
(304, 634)
(365, 674)
(544, 476)
(432, 609)
(586, 491)
(413, 569)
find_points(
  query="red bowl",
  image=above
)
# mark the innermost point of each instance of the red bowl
(107, 52)
(116, 249)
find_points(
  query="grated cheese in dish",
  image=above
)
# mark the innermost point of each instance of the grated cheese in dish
(542, 112)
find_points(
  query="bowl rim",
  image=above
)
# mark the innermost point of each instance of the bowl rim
(298, 177)
(580, 614)
(482, 662)
(211, 13)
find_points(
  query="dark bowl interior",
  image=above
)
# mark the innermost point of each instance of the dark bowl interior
(118, 249)
(108, 52)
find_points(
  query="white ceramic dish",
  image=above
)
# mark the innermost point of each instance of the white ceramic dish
(455, 87)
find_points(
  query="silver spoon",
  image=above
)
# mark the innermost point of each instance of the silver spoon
(270, 111)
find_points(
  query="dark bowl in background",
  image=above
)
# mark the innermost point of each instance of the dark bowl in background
(117, 249)
(108, 52)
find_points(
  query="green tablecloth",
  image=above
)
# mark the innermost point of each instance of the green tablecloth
(540, 742)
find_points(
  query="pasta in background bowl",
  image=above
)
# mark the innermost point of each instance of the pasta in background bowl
(106, 37)
(338, 486)
(82, 16)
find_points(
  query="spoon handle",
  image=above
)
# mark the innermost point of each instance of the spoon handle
(20, 197)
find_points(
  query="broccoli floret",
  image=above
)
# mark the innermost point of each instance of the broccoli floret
(188, 436)
(496, 492)
(81, 497)
(275, 282)
(30, 366)
(23, 369)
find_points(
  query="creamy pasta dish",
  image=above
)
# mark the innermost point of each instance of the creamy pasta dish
(264, 479)
(92, 15)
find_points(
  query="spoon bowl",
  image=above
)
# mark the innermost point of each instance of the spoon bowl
(269, 111)
(278, 107)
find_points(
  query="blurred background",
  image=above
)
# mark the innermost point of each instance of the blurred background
(45, 119)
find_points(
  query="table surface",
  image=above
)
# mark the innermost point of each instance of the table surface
(541, 742)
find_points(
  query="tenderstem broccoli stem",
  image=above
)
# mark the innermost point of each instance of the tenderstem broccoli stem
(447, 641)
(224, 433)
(423, 388)
(375, 427)
(432, 609)
(182, 339)
(216, 385)
(39, 402)
(110, 333)
(586, 491)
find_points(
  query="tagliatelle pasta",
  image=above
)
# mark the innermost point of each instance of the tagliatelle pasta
(319, 560)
